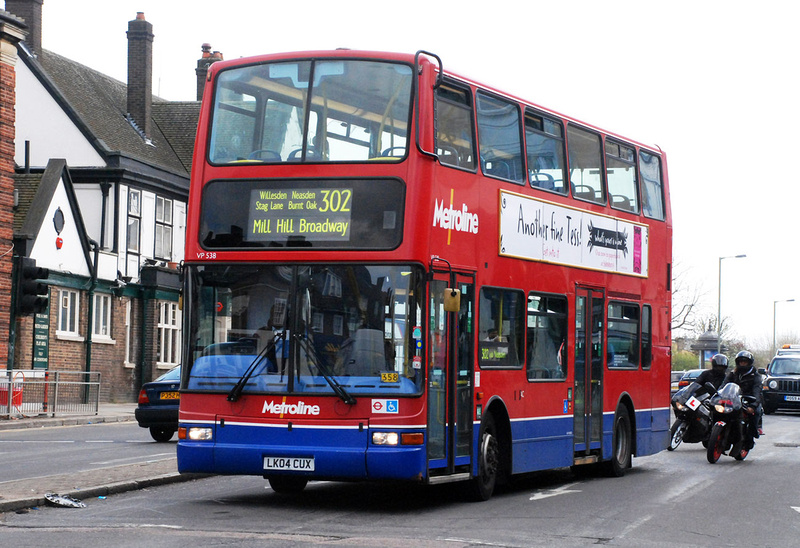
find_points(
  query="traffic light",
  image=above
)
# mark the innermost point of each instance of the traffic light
(32, 294)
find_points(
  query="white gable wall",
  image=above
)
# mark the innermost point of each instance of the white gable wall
(70, 258)
(90, 198)
(40, 120)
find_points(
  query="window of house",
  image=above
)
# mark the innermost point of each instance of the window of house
(585, 165)
(500, 138)
(68, 312)
(623, 335)
(621, 175)
(501, 328)
(455, 144)
(101, 327)
(169, 334)
(134, 219)
(547, 337)
(163, 247)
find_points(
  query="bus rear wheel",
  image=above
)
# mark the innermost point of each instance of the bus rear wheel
(622, 445)
(287, 484)
(482, 485)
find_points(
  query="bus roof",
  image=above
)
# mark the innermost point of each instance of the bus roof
(409, 58)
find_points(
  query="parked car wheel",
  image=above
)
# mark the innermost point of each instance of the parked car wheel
(161, 435)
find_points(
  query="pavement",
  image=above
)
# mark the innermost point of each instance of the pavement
(19, 495)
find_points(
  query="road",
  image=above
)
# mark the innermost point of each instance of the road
(673, 498)
(34, 452)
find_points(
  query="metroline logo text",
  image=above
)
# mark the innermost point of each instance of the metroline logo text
(283, 408)
(460, 220)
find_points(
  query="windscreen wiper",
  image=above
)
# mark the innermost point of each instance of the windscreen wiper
(236, 391)
(323, 369)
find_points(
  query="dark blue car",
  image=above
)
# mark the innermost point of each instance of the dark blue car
(158, 405)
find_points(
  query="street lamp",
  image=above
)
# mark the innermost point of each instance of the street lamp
(774, 309)
(719, 299)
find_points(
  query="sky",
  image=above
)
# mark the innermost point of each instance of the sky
(712, 83)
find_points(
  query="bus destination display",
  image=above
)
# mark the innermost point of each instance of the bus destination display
(310, 214)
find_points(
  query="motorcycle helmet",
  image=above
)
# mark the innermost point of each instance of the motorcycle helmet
(719, 362)
(744, 358)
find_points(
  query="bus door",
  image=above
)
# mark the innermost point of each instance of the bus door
(588, 408)
(450, 376)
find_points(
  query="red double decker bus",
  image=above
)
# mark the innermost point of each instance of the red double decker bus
(395, 273)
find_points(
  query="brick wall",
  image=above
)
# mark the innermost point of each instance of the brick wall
(140, 72)
(118, 382)
(7, 117)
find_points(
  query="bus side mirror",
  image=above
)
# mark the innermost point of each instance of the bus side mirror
(452, 300)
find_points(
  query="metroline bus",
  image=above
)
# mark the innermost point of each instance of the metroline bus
(395, 273)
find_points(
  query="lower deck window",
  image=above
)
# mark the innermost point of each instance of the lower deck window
(623, 335)
(547, 337)
(501, 328)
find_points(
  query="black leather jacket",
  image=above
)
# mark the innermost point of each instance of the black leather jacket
(714, 376)
(748, 380)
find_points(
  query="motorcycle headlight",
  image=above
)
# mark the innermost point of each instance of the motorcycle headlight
(721, 408)
(679, 406)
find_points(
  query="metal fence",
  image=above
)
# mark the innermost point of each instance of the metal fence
(32, 392)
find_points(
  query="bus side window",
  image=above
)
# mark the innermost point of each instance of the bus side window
(585, 165)
(500, 138)
(501, 318)
(621, 176)
(455, 144)
(623, 335)
(647, 337)
(652, 186)
(547, 337)
(544, 146)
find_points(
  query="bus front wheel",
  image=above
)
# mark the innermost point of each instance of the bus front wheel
(488, 461)
(287, 484)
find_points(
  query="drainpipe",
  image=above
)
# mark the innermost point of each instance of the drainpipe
(92, 285)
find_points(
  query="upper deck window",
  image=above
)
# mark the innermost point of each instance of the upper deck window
(311, 111)
(544, 140)
(455, 144)
(585, 165)
(621, 173)
(652, 186)
(500, 138)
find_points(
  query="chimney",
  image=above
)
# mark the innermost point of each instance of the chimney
(31, 12)
(140, 72)
(202, 67)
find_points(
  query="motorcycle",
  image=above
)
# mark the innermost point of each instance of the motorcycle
(692, 408)
(732, 431)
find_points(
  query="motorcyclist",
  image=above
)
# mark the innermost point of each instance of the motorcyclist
(715, 375)
(747, 377)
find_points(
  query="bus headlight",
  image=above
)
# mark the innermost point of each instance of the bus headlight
(393, 438)
(385, 438)
(196, 433)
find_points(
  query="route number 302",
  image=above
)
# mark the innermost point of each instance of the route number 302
(336, 200)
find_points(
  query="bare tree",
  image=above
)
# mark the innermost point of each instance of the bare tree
(708, 322)
(685, 298)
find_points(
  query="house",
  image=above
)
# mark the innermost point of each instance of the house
(115, 161)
